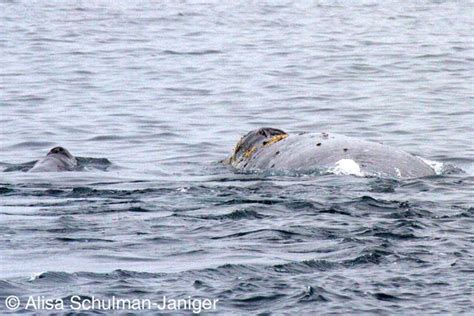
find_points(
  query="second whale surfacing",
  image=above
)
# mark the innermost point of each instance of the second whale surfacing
(57, 159)
(274, 149)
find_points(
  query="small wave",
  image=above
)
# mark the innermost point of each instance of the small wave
(5, 285)
(33, 144)
(268, 234)
(368, 256)
(163, 240)
(260, 299)
(19, 167)
(306, 266)
(234, 215)
(80, 192)
(83, 240)
(89, 163)
(10, 288)
(106, 138)
(118, 274)
(386, 297)
(52, 277)
(203, 52)
(318, 294)
(5, 190)
(138, 209)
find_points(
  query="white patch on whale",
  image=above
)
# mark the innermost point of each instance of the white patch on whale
(347, 167)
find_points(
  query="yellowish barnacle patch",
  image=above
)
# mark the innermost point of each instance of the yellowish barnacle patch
(234, 155)
(250, 152)
(275, 139)
(237, 146)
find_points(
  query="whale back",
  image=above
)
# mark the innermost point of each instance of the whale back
(311, 152)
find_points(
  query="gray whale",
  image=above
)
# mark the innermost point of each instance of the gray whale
(273, 149)
(57, 159)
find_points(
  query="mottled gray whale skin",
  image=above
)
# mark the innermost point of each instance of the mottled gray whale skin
(57, 159)
(273, 149)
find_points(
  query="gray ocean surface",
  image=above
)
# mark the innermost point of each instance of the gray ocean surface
(164, 91)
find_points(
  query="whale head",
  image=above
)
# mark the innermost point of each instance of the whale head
(60, 151)
(253, 140)
(57, 159)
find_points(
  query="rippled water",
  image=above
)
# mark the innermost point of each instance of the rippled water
(164, 91)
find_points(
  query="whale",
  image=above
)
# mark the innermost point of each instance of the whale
(57, 159)
(275, 150)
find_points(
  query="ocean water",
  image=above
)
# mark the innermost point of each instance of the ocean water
(159, 93)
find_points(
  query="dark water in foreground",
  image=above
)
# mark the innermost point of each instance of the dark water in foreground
(165, 91)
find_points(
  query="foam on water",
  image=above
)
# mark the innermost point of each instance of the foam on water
(437, 166)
